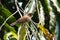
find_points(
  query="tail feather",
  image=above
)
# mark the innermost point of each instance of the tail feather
(12, 24)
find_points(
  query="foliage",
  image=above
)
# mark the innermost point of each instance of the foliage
(42, 25)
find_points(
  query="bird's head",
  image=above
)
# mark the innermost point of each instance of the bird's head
(30, 15)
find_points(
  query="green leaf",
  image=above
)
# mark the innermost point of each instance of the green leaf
(10, 36)
(6, 13)
(6, 26)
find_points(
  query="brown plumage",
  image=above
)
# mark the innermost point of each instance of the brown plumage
(23, 19)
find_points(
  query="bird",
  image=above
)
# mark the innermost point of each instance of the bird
(23, 19)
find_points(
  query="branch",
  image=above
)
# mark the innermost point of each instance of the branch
(27, 3)
(38, 10)
(18, 33)
(17, 7)
(7, 19)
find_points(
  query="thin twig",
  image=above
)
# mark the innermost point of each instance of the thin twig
(19, 33)
(38, 10)
(27, 3)
(7, 19)
(27, 31)
(22, 11)
(26, 6)
(17, 7)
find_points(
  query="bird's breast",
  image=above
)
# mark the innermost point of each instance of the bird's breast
(23, 19)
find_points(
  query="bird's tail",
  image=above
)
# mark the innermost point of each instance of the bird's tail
(12, 24)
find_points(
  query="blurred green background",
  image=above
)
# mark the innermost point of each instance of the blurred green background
(49, 13)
